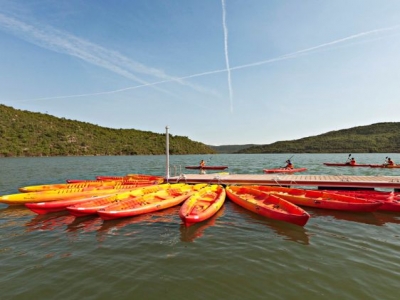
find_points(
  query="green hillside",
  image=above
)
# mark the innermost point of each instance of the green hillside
(375, 138)
(24, 133)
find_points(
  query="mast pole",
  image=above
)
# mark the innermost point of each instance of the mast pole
(167, 153)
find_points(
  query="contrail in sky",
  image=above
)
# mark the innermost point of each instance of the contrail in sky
(228, 69)
(272, 60)
(63, 42)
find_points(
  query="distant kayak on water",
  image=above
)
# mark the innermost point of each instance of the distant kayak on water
(284, 170)
(345, 165)
(385, 166)
(207, 167)
(350, 162)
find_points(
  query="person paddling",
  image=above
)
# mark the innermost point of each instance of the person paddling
(389, 162)
(289, 164)
(202, 165)
(352, 161)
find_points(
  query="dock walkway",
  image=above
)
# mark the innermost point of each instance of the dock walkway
(320, 181)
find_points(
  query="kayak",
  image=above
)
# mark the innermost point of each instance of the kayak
(390, 200)
(42, 208)
(385, 166)
(345, 165)
(202, 205)
(96, 184)
(267, 205)
(284, 170)
(91, 207)
(129, 177)
(60, 205)
(320, 199)
(62, 194)
(207, 167)
(149, 203)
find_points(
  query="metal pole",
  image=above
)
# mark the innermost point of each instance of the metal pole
(167, 152)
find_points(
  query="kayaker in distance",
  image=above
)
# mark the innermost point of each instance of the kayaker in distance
(289, 164)
(352, 161)
(389, 162)
(202, 165)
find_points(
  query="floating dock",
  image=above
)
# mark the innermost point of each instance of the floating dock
(318, 181)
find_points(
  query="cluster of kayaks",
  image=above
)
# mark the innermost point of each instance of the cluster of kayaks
(113, 198)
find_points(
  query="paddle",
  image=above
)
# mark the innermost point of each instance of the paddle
(348, 159)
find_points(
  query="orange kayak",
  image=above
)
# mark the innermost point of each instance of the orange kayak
(267, 205)
(148, 203)
(202, 205)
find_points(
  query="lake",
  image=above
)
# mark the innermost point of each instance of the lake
(234, 255)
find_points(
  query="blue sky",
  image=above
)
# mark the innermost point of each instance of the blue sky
(219, 72)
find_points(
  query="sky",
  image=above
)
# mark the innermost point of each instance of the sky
(220, 72)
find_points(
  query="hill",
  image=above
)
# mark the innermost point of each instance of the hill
(375, 138)
(24, 133)
(230, 148)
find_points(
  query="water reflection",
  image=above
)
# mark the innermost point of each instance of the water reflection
(287, 231)
(189, 234)
(359, 217)
(114, 227)
(388, 217)
(49, 222)
(14, 216)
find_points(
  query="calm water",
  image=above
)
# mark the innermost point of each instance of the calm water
(235, 255)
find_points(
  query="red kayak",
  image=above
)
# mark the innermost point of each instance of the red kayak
(207, 167)
(319, 199)
(345, 165)
(266, 205)
(385, 166)
(390, 200)
(284, 170)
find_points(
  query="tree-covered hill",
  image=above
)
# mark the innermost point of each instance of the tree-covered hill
(24, 133)
(375, 138)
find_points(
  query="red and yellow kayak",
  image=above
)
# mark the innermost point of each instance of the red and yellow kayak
(91, 207)
(202, 205)
(86, 185)
(149, 203)
(267, 205)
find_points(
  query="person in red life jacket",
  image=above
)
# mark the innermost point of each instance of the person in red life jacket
(352, 161)
(289, 164)
(390, 162)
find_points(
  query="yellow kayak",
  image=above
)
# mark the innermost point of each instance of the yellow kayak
(64, 194)
(58, 186)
